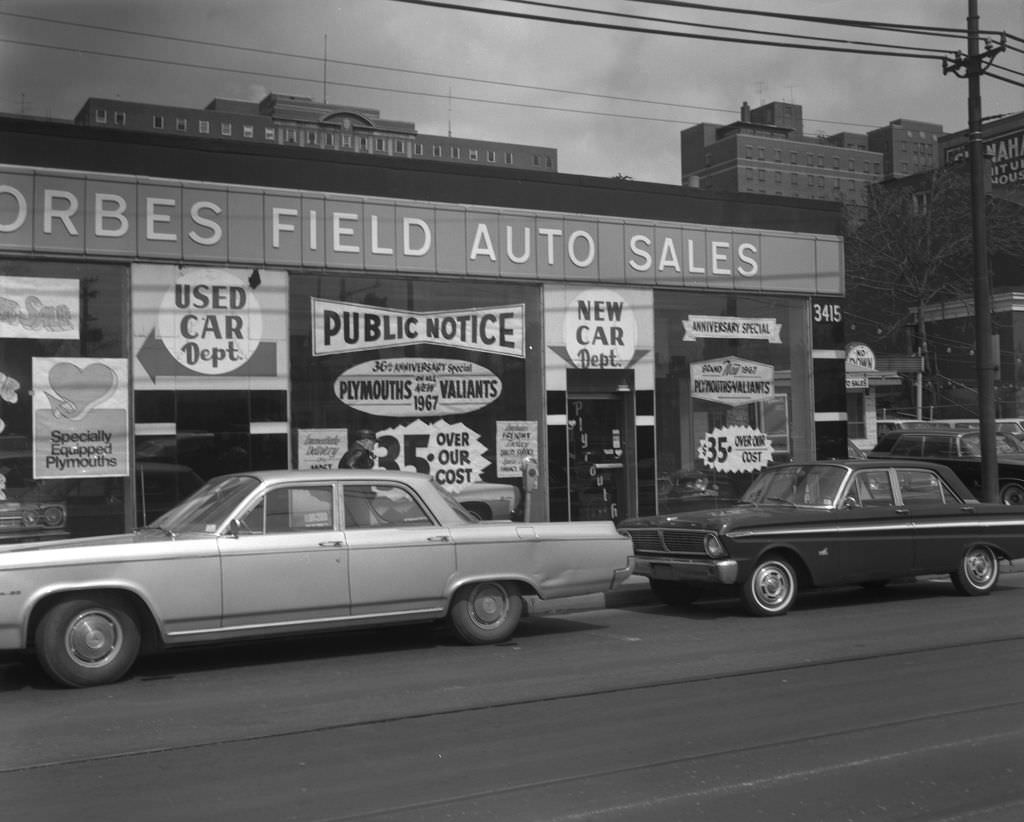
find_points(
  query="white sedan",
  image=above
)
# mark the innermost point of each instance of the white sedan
(277, 552)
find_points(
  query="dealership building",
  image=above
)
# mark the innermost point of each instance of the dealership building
(173, 308)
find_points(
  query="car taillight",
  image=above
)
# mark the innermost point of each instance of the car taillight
(713, 547)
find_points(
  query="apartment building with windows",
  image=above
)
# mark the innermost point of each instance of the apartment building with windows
(767, 152)
(300, 121)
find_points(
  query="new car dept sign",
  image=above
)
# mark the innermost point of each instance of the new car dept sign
(732, 381)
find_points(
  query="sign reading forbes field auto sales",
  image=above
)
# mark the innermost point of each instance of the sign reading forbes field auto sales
(417, 386)
(732, 381)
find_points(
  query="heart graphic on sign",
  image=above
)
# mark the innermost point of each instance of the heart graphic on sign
(76, 391)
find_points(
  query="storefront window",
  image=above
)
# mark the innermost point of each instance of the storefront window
(733, 390)
(443, 373)
(64, 400)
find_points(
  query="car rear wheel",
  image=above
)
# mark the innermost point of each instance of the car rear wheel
(676, 594)
(486, 612)
(88, 640)
(977, 573)
(1012, 493)
(771, 588)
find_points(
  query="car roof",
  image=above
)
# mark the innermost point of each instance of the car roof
(350, 474)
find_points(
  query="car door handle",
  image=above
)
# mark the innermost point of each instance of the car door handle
(441, 538)
(335, 544)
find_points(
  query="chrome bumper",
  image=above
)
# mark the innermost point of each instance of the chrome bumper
(620, 575)
(708, 571)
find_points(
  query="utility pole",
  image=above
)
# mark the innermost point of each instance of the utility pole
(973, 65)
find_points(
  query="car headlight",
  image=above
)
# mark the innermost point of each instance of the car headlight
(53, 516)
(29, 517)
(713, 546)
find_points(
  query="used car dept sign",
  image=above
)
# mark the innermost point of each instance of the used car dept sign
(735, 449)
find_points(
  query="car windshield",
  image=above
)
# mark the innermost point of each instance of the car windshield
(815, 485)
(207, 510)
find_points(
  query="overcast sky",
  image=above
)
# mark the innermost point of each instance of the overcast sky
(611, 102)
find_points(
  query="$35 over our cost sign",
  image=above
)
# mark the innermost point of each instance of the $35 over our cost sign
(735, 449)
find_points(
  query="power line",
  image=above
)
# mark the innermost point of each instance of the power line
(644, 30)
(376, 67)
(645, 18)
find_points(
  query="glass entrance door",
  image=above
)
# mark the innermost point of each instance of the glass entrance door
(600, 463)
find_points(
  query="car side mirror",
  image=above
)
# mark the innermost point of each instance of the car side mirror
(850, 503)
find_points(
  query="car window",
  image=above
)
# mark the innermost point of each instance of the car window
(908, 445)
(797, 485)
(381, 506)
(1007, 445)
(937, 446)
(308, 508)
(873, 489)
(970, 445)
(920, 486)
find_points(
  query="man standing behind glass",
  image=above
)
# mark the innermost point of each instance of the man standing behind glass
(360, 454)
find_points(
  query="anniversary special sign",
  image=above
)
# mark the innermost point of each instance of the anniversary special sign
(340, 327)
(705, 327)
(417, 386)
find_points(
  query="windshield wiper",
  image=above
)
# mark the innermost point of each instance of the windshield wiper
(788, 502)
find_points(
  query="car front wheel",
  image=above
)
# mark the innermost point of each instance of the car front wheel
(486, 612)
(977, 573)
(771, 588)
(88, 641)
(1012, 493)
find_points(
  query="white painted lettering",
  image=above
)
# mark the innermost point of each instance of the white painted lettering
(154, 217)
(426, 238)
(339, 231)
(638, 245)
(277, 226)
(216, 232)
(64, 215)
(20, 208)
(482, 244)
(375, 246)
(591, 251)
(110, 208)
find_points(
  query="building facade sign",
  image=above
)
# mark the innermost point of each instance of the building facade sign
(1005, 155)
(65, 212)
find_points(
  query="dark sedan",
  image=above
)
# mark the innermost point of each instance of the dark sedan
(825, 524)
(960, 450)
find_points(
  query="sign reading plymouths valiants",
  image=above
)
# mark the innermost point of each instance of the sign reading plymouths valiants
(53, 211)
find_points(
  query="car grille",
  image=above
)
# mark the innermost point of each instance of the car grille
(666, 540)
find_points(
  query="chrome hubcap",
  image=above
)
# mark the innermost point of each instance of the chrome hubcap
(489, 605)
(93, 638)
(979, 568)
(772, 585)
